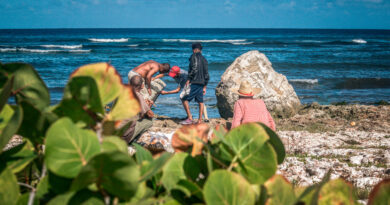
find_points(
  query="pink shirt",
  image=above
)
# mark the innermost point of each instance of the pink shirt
(251, 110)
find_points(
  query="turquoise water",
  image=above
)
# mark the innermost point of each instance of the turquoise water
(323, 65)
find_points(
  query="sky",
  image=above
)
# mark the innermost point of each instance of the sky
(342, 14)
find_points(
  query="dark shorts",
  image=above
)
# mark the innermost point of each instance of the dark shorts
(196, 92)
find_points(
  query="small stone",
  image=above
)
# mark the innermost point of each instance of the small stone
(357, 160)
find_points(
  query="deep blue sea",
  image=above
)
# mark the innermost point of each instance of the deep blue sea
(323, 65)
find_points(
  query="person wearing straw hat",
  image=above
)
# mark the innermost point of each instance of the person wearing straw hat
(248, 109)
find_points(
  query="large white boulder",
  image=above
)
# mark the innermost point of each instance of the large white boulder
(254, 67)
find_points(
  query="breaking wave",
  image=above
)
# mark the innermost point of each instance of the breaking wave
(304, 81)
(109, 40)
(359, 41)
(63, 46)
(133, 45)
(51, 51)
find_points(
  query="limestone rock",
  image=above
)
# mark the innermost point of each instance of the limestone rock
(253, 66)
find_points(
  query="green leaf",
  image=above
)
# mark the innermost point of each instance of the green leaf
(227, 188)
(9, 188)
(18, 157)
(276, 143)
(6, 92)
(380, 195)
(180, 166)
(43, 187)
(10, 121)
(107, 79)
(149, 169)
(85, 92)
(256, 158)
(28, 85)
(68, 148)
(24, 198)
(35, 122)
(192, 189)
(115, 172)
(86, 197)
(58, 184)
(280, 191)
(126, 107)
(142, 154)
(337, 192)
(74, 110)
(62, 199)
(113, 143)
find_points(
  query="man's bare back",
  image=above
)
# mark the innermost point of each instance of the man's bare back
(148, 69)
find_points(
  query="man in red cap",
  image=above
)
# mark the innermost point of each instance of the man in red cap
(180, 76)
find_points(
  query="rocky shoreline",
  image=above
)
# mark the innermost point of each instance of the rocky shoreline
(352, 140)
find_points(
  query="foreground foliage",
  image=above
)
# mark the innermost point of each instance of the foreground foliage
(72, 154)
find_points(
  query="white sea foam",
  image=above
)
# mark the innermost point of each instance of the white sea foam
(51, 50)
(63, 46)
(359, 41)
(206, 41)
(243, 43)
(306, 81)
(109, 40)
(8, 49)
(133, 45)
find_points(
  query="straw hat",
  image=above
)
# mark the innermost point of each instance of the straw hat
(246, 90)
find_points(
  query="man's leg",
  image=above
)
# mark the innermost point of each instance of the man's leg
(206, 117)
(201, 105)
(187, 109)
(141, 127)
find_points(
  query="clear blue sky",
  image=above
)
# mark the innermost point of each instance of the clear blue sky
(195, 14)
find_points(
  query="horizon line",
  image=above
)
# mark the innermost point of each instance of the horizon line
(57, 28)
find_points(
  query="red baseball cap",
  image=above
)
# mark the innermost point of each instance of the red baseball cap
(174, 71)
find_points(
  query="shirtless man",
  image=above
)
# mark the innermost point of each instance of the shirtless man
(147, 70)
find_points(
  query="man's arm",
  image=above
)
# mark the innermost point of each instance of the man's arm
(193, 68)
(149, 78)
(158, 76)
(171, 92)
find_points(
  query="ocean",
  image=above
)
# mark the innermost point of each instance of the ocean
(324, 66)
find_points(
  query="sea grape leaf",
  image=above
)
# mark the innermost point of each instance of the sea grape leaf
(126, 106)
(28, 85)
(35, 122)
(256, 158)
(113, 143)
(276, 143)
(380, 195)
(190, 136)
(142, 154)
(107, 79)
(180, 166)
(58, 184)
(280, 191)
(83, 89)
(9, 188)
(18, 157)
(10, 121)
(87, 197)
(74, 110)
(116, 172)
(62, 199)
(6, 92)
(337, 191)
(149, 169)
(68, 148)
(227, 188)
